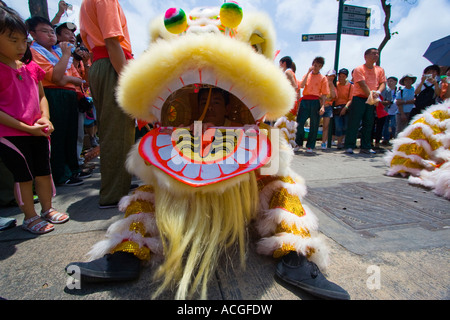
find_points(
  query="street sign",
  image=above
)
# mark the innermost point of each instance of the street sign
(356, 24)
(356, 32)
(356, 10)
(319, 37)
(355, 21)
(355, 17)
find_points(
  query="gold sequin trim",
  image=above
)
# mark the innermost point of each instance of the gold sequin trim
(413, 149)
(284, 200)
(417, 134)
(143, 253)
(441, 115)
(138, 207)
(284, 250)
(284, 227)
(265, 180)
(405, 162)
(436, 129)
(138, 227)
(435, 144)
(145, 188)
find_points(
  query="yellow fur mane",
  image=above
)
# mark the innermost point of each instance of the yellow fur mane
(198, 227)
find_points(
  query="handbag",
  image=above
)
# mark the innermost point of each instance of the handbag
(337, 109)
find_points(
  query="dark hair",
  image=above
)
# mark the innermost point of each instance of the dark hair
(393, 78)
(11, 21)
(368, 51)
(433, 67)
(33, 22)
(320, 60)
(288, 61)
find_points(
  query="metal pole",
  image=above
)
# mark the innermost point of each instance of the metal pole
(338, 35)
(336, 62)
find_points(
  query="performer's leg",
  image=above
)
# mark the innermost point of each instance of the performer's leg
(288, 229)
(128, 242)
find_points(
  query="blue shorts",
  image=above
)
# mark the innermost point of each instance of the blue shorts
(328, 112)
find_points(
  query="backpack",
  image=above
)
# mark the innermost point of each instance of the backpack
(425, 98)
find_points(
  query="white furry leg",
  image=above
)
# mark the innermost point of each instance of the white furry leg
(136, 233)
(287, 225)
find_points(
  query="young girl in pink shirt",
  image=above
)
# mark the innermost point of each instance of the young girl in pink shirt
(25, 126)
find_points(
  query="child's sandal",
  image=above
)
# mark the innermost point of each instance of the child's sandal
(38, 228)
(56, 217)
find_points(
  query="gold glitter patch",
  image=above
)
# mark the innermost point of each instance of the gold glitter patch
(284, 200)
(138, 207)
(284, 250)
(436, 129)
(284, 227)
(138, 227)
(413, 149)
(265, 180)
(435, 144)
(417, 134)
(145, 188)
(132, 247)
(405, 162)
(441, 115)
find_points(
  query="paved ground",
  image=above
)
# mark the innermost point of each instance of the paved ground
(387, 239)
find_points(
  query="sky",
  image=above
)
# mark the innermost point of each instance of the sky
(415, 22)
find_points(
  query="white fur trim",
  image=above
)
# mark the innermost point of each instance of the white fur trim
(137, 195)
(267, 246)
(120, 230)
(268, 220)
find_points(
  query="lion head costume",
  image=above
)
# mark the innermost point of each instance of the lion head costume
(204, 187)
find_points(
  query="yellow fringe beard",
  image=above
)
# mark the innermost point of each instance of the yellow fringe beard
(196, 228)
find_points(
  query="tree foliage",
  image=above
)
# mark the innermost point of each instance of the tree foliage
(38, 8)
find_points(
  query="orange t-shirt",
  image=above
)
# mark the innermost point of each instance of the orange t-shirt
(373, 77)
(48, 68)
(316, 85)
(111, 23)
(344, 93)
(329, 101)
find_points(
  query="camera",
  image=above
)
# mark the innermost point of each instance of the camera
(77, 56)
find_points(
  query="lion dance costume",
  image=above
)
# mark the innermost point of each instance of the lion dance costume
(204, 188)
(422, 150)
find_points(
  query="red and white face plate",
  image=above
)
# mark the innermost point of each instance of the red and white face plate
(202, 159)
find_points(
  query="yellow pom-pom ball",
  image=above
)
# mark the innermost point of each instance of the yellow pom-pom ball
(231, 14)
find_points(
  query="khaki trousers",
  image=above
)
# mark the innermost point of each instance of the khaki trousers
(116, 132)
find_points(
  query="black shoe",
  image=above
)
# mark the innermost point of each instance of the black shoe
(297, 270)
(119, 266)
(108, 206)
(72, 182)
(84, 174)
(367, 151)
